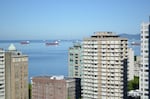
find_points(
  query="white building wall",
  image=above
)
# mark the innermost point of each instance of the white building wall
(2, 74)
(130, 64)
(89, 70)
(144, 75)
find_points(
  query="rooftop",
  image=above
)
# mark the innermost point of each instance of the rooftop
(12, 47)
(58, 77)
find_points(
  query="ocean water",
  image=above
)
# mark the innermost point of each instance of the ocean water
(44, 60)
(47, 60)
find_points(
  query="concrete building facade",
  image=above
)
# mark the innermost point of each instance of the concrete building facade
(16, 74)
(131, 66)
(104, 74)
(2, 74)
(53, 87)
(137, 63)
(74, 61)
(75, 66)
(145, 62)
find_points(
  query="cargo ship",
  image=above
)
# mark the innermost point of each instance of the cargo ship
(24, 42)
(51, 43)
(135, 43)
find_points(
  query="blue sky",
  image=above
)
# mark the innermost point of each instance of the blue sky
(70, 19)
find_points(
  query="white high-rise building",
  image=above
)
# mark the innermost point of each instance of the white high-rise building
(145, 62)
(104, 74)
(2, 74)
(130, 64)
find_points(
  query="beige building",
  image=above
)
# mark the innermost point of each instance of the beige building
(53, 87)
(16, 74)
(104, 74)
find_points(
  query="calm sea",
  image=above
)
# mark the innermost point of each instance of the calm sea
(47, 60)
(43, 60)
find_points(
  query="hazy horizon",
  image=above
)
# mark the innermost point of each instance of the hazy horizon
(71, 39)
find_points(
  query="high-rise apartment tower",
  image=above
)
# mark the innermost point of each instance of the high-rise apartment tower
(2, 74)
(14, 74)
(74, 61)
(104, 74)
(145, 62)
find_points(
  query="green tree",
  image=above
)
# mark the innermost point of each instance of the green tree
(133, 84)
(30, 90)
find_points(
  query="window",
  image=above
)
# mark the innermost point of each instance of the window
(76, 67)
(146, 36)
(76, 61)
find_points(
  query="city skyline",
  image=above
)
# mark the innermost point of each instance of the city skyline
(69, 19)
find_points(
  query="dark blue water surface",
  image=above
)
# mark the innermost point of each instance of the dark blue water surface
(47, 60)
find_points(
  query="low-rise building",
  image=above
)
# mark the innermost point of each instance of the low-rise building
(54, 87)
